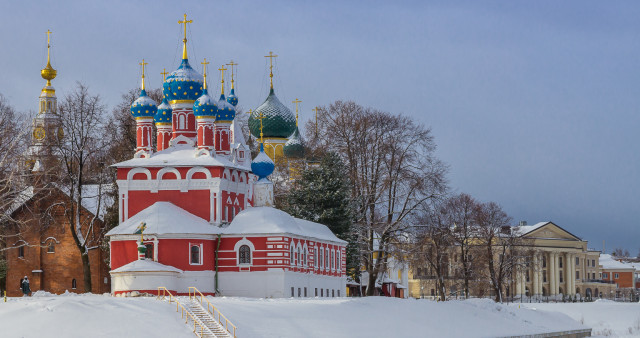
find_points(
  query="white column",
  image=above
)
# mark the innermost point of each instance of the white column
(536, 271)
(518, 284)
(552, 274)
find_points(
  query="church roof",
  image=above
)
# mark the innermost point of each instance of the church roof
(278, 120)
(180, 155)
(145, 265)
(165, 218)
(266, 220)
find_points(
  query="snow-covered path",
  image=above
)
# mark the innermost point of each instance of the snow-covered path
(89, 316)
(607, 318)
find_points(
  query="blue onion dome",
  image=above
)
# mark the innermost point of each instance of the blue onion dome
(226, 112)
(164, 114)
(294, 148)
(144, 106)
(183, 84)
(262, 165)
(205, 106)
(278, 120)
(232, 98)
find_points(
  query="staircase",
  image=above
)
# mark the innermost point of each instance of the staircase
(203, 319)
(213, 328)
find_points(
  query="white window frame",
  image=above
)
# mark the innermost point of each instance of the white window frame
(252, 250)
(321, 258)
(201, 258)
(616, 276)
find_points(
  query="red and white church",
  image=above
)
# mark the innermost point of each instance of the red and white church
(199, 212)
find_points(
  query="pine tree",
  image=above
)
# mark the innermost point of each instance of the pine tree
(322, 195)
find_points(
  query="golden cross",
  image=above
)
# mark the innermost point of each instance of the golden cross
(48, 46)
(204, 70)
(222, 69)
(143, 64)
(261, 117)
(232, 64)
(296, 102)
(316, 111)
(164, 74)
(271, 56)
(184, 41)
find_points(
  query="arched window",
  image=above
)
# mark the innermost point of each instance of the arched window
(195, 254)
(332, 266)
(149, 253)
(244, 254)
(338, 267)
(320, 262)
(304, 257)
(21, 252)
(74, 284)
(299, 257)
(52, 247)
(326, 260)
(291, 255)
(182, 122)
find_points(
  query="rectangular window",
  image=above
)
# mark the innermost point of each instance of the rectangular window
(544, 276)
(527, 274)
(327, 292)
(577, 274)
(593, 275)
(615, 276)
(299, 292)
(577, 261)
(593, 262)
(604, 275)
(292, 294)
(338, 293)
(316, 292)
(21, 252)
(560, 262)
(333, 293)
(586, 261)
(195, 254)
(51, 248)
(561, 279)
(544, 261)
(321, 292)
(320, 262)
(305, 291)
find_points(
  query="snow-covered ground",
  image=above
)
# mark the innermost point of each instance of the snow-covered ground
(607, 318)
(105, 316)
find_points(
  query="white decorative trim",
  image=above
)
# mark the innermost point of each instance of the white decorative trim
(236, 248)
(181, 139)
(201, 258)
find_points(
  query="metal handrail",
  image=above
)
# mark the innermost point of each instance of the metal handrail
(184, 313)
(212, 309)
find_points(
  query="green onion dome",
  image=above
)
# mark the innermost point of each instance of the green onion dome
(226, 112)
(278, 120)
(183, 84)
(164, 114)
(294, 148)
(205, 106)
(144, 106)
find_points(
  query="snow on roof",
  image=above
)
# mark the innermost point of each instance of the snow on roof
(266, 220)
(609, 263)
(181, 155)
(145, 265)
(236, 129)
(165, 218)
(20, 199)
(525, 229)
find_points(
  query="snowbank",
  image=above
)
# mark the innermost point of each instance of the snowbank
(607, 318)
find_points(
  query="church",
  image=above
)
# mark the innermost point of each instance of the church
(196, 211)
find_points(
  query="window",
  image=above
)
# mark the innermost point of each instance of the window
(338, 265)
(338, 293)
(51, 248)
(21, 252)
(544, 276)
(195, 254)
(433, 292)
(593, 275)
(244, 254)
(561, 279)
(615, 276)
(299, 292)
(577, 274)
(316, 292)
(326, 260)
(331, 254)
(527, 274)
(292, 294)
(333, 293)
(577, 261)
(321, 292)
(299, 257)
(149, 253)
(560, 262)
(604, 275)
(73, 283)
(586, 261)
(327, 292)
(291, 255)
(305, 291)
(544, 261)
(304, 258)
(593, 262)
(320, 258)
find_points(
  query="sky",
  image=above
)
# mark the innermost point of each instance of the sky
(533, 105)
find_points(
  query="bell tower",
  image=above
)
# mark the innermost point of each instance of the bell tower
(46, 128)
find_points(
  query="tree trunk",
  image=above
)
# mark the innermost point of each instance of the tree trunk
(86, 269)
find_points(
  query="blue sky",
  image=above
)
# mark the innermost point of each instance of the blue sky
(534, 104)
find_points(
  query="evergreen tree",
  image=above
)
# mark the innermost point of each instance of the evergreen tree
(322, 195)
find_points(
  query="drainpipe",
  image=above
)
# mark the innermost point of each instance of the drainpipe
(216, 276)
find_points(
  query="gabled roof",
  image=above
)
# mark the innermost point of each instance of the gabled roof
(609, 263)
(145, 265)
(528, 229)
(165, 218)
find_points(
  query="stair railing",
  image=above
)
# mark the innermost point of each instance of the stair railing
(217, 315)
(186, 315)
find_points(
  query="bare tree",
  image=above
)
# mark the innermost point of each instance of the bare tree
(392, 168)
(498, 242)
(81, 150)
(620, 252)
(461, 217)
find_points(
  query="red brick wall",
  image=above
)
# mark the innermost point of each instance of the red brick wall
(58, 268)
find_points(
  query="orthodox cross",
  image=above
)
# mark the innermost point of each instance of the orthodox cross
(232, 64)
(204, 71)
(164, 74)
(261, 117)
(271, 56)
(296, 102)
(316, 111)
(184, 41)
(222, 69)
(143, 64)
